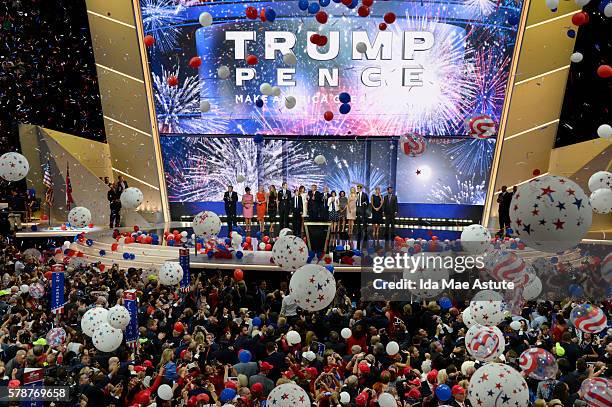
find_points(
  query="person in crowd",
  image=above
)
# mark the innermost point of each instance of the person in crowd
(30, 201)
(272, 207)
(351, 211)
(284, 205)
(262, 203)
(297, 211)
(377, 213)
(230, 199)
(324, 215)
(390, 208)
(122, 184)
(333, 208)
(342, 208)
(362, 203)
(247, 209)
(114, 199)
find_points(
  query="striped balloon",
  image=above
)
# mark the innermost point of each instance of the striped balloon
(538, 364)
(588, 318)
(484, 343)
(413, 144)
(481, 127)
(597, 392)
(507, 266)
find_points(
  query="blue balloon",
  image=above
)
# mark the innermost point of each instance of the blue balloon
(239, 255)
(270, 14)
(554, 260)
(357, 253)
(257, 321)
(576, 290)
(227, 394)
(344, 97)
(34, 228)
(339, 247)
(132, 256)
(126, 256)
(443, 392)
(228, 240)
(345, 108)
(244, 356)
(102, 252)
(210, 254)
(324, 3)
(303, 5)
(353, 4)
(571, 33)
(89, 242)
(513, 246)
(170, 242)
(445, 302)
(330, 268)
(258, 235)
(258, 137)
(314, 8)
(259, 103)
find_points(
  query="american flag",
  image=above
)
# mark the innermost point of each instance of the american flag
(69, 200)
(48, 182)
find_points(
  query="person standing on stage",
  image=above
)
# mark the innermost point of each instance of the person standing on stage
(362, 204)
(297, 211)
(122, 184)
(342, 207)
(377, 212)
(284, 206)
(304, 196)
(390, 212)
(247, 209)
(324, 214)
(333, 207)
(315, 203)
(504, 200)
(351, 211)
(262, 202)
(230, 198)
(272, 207)
(114, 199)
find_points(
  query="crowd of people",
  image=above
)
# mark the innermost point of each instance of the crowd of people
(195, 341)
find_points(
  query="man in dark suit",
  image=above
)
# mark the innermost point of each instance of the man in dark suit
(362, 204)
(324, 214)
(114, 199)
(390, 212)
(504, 200)
(315, 203)
(459, 397)
(122, 184)
(230, 198)
(297, 209)
(284, 205)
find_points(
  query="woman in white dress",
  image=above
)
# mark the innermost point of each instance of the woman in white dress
(351, 210)
(304, 196)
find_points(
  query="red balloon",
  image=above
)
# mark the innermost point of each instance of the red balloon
(114, 246)
(321, 17)
(79, 254)
(580, 18)
(363, 11)
(91, 225)
(63, 227)
(238, 275)
(252, 60)
(178, 327)
(389, 18)
(604, 71)
(367, 3)
(101, 267)
(314, 38)
(382, 26)
(247, 239)
(268, 247)
(251, 13)
(136, 228)
(149, 40)
(322, 41)
(172, 80)
(347, 2)
(266, 239)
(434, 238)
(195, 62)
(175, 232)
(328, 115)
(536, 172)
(149, 240)
(262, 15)
(44, 217)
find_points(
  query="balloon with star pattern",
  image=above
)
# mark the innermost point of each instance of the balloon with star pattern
(550, 213)
(206, 224)
(131, 198)
(487, 308)
(13, 166)
(93, 318)
(288, 395)
(290, 252)
(106, 338)
(497, 384)
(312, 287)
(475, 239)
(79, 217)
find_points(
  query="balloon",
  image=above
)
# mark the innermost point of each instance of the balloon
(227, 394)
(389, 18)
(79, 217)
(270, 14)
(382, 26)
(244, 356)
(289, 59)
(345, 398)
(346, 333)
(257, 321)
(361, 47)
(205, 20)
(328, 116)
(485, 343)
(321, 17)
(276, 91)
(392, 348)
(582, 3)
(506, 266)
(608, 10)
(576, 57)
(481, 126)
(165, 391)
(320, 159)
(106, 338)
(131, 198)
(223, 72)
(252, 60)
(290, 102)
(601, 200)
(538, 364)
(445, 302)
(149, 40)
(238, 275)
(386, 400)
(580, 18)
(251, 13)
(345, 108)
(443, 392)
(24, 288)
(93, 318)
(533, 288)
(206, 224)
(363, 11)
(487, 308)
(13, 166)
(561, 218)
(204, 106)
(495, 382)
(413, 144)
(596, 391)
(313, 287)
(604, 71)
(290, 252)
(119, 317)
(170, 273)
(344, 97)
(293, 338)
(467, 317)
(475, 239)
(36, 290)
(56, 336)
(516, 325)
(601, 179)
(288, 395)
(588, 318)
(265, 89)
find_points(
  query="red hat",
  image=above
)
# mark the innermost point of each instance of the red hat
(457, 390)
(193, 401)
(415, 382)
(143, 397)
(147, 363)
(178, 327)
(231, 385)
(432, 376)
(183, 353)
(414, 393)
(361, 400)
(203, 397)
(265, 366)
(288, 374)
(257, 388)
(364, 367)
(14, 383)
(139, 369)
(312, 371)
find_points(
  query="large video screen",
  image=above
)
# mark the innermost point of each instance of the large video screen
(436, 66)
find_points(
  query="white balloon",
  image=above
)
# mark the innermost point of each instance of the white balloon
(24, 288)
(386, 400)
(516, 325)
(487, 308)
(552, 4)
(361, 47)
(289, 58)
(206, 224)
(184, 233)
(92, 319)
(582, 3)
(475, 239)
(467, 318)
(601, 200)
(205, 19)
(66, 244)
(131, 198)
(608, 10)
(79, 217)
(262, 246)
(533, 288)
(601, 179)
(290, 102)
(312, 287)
(204, 106)
(293, 338)
(576, 57)
(13, 166)
(240, 178)
(285, 232)
(392, 348)
(559, 220)
(118, 317)
(485, 343)
(165, 392)
(320, 159)
(346, 333)
(290, 252)
(605, 130)
(494, 382)
(223, 72)
(170, 273)
(345, 397)
(288, 395)
(265, 89)
(276, 91)
(106, 338)
(309, 356)
(504, 265)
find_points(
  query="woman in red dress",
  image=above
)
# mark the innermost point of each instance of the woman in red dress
(262, 203)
